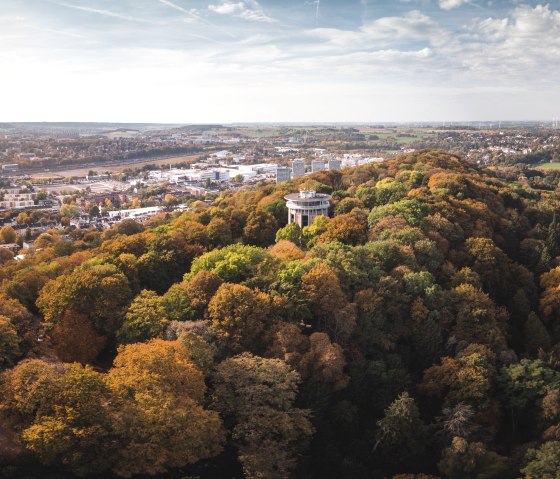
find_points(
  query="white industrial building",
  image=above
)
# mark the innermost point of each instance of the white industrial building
(177, 176)
(135, 212)
(357, 160)
(247, 174)
(260, 168)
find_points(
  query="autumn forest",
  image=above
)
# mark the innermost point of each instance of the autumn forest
(414, 333)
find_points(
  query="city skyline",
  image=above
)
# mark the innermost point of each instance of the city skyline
(179, 61)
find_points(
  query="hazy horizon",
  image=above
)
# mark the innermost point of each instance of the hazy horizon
(271, 61)
(273, 123)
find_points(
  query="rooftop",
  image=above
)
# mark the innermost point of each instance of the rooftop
(307, 195)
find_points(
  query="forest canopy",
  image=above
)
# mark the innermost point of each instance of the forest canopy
(413, 333)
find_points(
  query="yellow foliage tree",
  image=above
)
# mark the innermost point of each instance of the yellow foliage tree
(240, 317)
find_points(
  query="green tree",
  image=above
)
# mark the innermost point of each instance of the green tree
(401, 434)
(219, 232)
(278, 209)
(76, 431)
(467, 379)
(129, 227)
(201, 352)
(552, 244)
(471, 460)
(525, 382)
(315, 229)
(544, 462)
(257, 396)
(99, 291)
(69, 210)
(346, 205)
(290, 232)
(26, 284)
(357, 267)
(260, 229)
(145, 319)
(169, 257)
(367, 195)
(234, 263)
(28, 389)
(535, 334)
(177, 303)
(410, 209)
(389, 191)
(94, 211)
(9, 343)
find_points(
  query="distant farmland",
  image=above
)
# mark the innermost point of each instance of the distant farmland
(555, 165)
(112, 167)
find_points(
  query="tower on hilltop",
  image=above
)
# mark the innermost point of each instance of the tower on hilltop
(305, 206)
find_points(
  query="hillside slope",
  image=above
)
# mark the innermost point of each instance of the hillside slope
(415, 331)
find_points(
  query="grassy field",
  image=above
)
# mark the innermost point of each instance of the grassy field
(410, 135)
(160, 162)
(254, 132)
(549, 166)
(81, 171)
(407, 139)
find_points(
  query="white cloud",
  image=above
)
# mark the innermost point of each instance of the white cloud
(521, 47)
(413, 26)
(248, 10)
(227, 8)
(490, 29)
(451, 4)
(393, 67)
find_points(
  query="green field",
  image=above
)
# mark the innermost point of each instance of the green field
(407, 139)
(410, 135)
(549, 166)
(261, 133)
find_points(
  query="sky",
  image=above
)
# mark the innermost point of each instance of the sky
(225, 61)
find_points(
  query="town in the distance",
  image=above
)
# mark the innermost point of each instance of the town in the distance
(91, 175)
